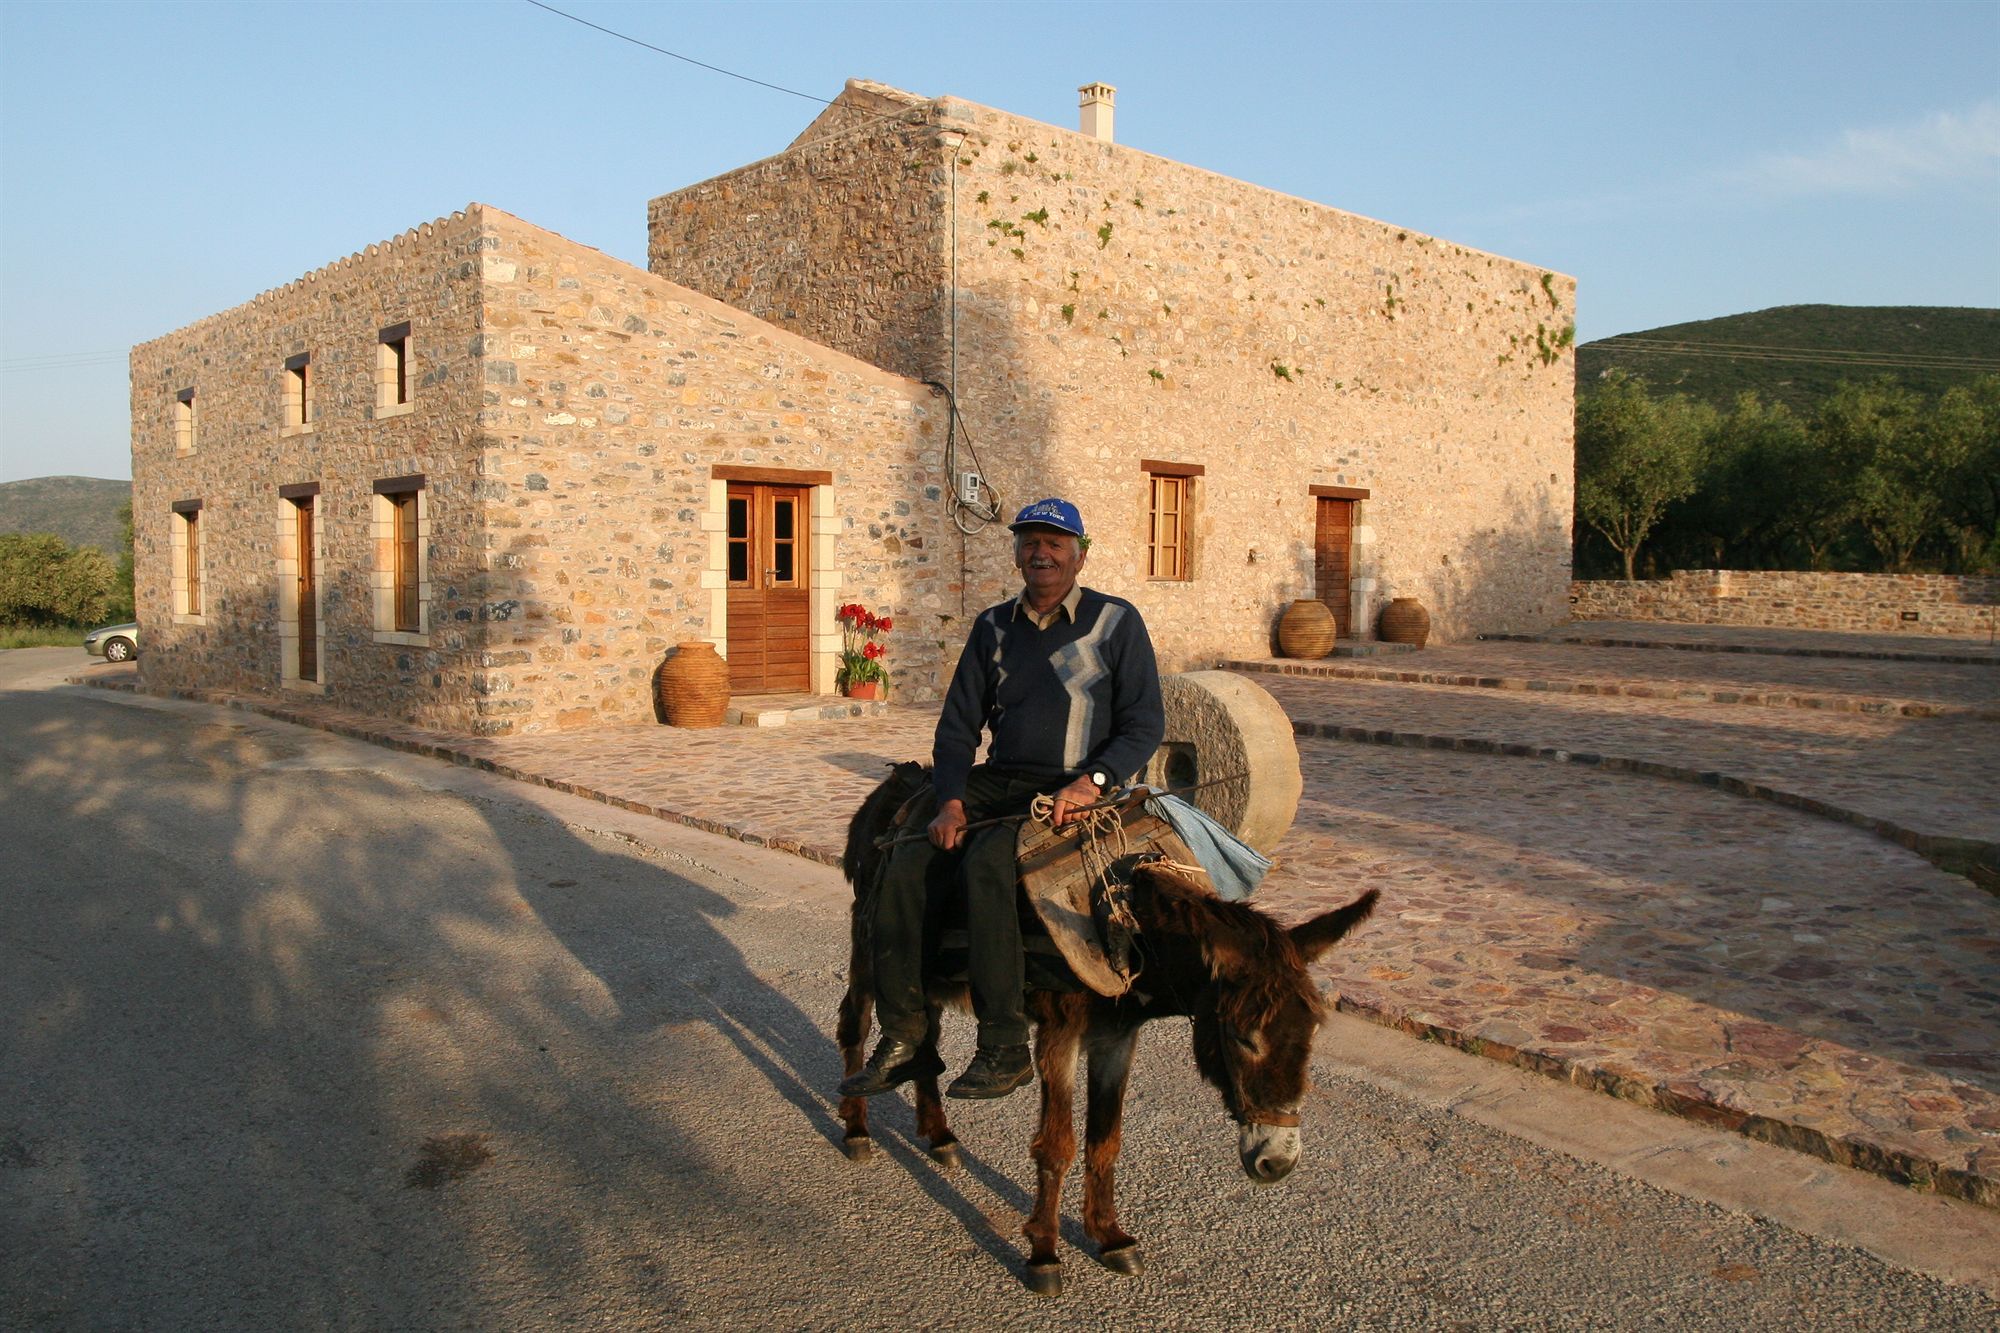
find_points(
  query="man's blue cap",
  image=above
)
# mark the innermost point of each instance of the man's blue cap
(1051, 513)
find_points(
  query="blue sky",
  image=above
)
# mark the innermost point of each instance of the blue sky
(160, 162)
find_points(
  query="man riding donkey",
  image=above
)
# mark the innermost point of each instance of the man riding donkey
(1064, 677)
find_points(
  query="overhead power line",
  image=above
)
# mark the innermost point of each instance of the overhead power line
(661, 50)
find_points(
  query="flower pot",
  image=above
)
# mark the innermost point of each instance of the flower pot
(692, 686)
(1404, 620)
(865, 689)
(1307, 629)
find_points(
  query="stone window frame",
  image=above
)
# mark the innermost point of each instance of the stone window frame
(1170, 560)
(296, 405)
(395, 372)
(288, 587)
(190, 562)
(186, 423)
(401, 593)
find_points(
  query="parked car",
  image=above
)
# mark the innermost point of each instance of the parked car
(113, 643)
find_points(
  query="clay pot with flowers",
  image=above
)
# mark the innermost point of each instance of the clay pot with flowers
(861, 674)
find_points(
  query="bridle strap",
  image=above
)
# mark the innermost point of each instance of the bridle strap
(1282, 1119)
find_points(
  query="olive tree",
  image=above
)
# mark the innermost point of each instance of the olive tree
(46, 581)
(1635, 455)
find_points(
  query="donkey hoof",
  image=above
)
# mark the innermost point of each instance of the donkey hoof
(1126, 1260)
(858, 1148)
(947, 1154)
(1045, 1278)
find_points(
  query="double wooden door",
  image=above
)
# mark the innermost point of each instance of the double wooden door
(770, 589)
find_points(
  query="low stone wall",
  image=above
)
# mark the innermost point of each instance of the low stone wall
(1867, 603)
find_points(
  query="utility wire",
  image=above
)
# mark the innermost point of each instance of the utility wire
(661, 50)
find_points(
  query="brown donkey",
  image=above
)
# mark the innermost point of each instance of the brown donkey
(1238, 975)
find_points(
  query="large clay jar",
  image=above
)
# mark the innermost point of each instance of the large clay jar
(1307, 629)
(1404, 620)
(692, 686)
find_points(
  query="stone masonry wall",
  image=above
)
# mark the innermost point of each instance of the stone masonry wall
(234, 361)
(610, 396)
(1869, 603)
(1114, 307)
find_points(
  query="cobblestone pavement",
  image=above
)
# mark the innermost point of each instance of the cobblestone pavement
(1913, 689)
(1928, 781)
(1793, 976)
(1734, 639)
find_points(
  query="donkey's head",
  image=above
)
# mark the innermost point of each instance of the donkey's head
(1255, 1018)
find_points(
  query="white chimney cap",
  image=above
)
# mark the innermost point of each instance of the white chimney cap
(1096, 103)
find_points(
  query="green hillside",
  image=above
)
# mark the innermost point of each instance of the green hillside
(1796, 354)
(83, 511)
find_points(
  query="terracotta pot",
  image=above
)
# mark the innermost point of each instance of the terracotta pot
(692, 686)
(865, 689)
(1404, 620)
(1307, 629)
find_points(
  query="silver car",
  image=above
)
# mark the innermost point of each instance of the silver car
(113, 643)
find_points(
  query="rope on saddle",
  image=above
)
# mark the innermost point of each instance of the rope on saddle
(1101, 846)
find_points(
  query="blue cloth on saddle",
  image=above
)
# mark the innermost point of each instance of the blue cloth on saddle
(1234, 866)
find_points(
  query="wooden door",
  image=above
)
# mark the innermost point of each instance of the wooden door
(770, 589)
(1333, 560)
(308, 597)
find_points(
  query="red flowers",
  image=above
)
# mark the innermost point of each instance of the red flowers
(861, 656)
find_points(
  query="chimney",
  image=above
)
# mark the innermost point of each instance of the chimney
(1097, 109)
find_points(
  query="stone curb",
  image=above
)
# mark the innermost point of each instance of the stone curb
(1694, 1103)
(1966, 857)
(1832, 703)
(1690, 1102)
(1891, 655)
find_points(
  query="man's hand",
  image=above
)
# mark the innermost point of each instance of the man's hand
(1072, 798)
(948, 829)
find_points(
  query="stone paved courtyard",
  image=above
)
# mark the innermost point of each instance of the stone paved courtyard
(1785, 966)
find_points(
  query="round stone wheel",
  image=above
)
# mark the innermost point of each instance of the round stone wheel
(1220, 724)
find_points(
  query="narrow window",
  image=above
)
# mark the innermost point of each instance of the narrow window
(187, 559)
(401, 531)
(1169, 514)
(392, 370)
(184, 421)
(298, 394)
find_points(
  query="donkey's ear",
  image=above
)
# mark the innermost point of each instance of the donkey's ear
(1316, 936)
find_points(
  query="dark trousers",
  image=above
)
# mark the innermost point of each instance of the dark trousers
(909, 916)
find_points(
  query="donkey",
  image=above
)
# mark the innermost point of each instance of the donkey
(1237, 974)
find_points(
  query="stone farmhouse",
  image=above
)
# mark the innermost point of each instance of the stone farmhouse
(482, 478)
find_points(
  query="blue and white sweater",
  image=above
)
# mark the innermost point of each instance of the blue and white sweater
(1082, 694)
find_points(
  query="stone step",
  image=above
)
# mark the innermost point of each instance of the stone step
(775, 710)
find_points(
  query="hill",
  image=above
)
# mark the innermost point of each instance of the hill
(1797, 354)
(83, 511)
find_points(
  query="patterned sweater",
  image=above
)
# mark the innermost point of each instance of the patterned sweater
(1080, 695)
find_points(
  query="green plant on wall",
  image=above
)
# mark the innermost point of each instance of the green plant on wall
(1282, 371)
(1104, 236)
(1040, 217)
(1156, 373)
(1069, 312)
(1549, 288)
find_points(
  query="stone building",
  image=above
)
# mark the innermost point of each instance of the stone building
(481, 477)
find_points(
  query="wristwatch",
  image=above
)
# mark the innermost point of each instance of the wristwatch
(1102, 779)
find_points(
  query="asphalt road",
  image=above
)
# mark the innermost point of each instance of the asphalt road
(297, 1033)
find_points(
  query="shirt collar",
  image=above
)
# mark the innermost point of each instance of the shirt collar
(1067, 605)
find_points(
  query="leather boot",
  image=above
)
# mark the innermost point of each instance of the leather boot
(994, 1072)
(895, 1062)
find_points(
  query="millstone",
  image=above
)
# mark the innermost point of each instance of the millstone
(1219, 724)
